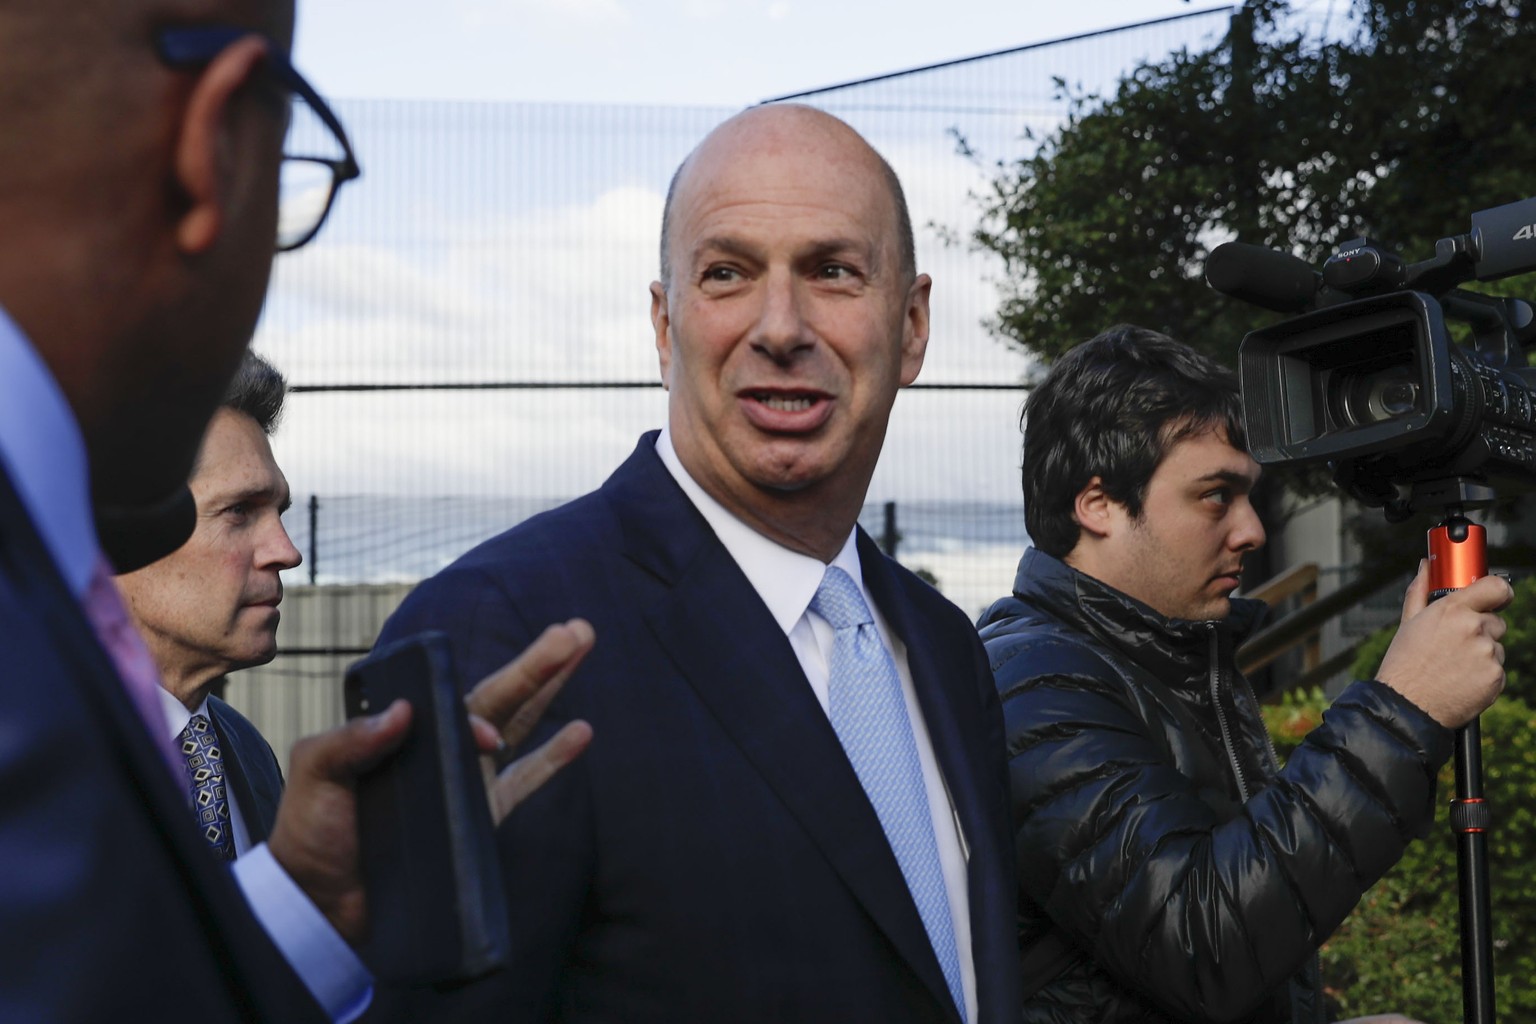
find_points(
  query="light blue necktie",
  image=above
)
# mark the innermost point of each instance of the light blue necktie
(869, 715)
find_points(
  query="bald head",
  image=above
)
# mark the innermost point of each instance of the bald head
(787, 126)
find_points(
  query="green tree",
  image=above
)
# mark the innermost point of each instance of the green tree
(1398, 129)
(1399, 950)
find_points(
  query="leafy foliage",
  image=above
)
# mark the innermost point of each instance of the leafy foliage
(1519, 648)
(1400, 950)
(1399, 130)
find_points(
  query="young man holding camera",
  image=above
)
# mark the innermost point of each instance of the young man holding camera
(1168, 869)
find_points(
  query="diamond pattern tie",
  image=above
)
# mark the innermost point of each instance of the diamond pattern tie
(870, 717)
(210, 802)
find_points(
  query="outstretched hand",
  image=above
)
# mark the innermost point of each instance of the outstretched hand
(315, 835)
(507, 705)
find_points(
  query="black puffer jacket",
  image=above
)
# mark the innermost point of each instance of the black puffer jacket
(1166, 870)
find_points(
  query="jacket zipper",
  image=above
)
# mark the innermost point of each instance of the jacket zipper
(1221, 714)
(1269, 741)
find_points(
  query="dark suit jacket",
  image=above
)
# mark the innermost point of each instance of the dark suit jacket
(111, 906)
(713, 857)
(250, 768)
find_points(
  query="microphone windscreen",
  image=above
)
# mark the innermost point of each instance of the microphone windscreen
(132, 538)
(1262, 277)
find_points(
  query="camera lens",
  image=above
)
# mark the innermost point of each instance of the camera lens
(1392, 398)
(1377, 397)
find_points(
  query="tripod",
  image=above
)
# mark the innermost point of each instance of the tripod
(1458, 556)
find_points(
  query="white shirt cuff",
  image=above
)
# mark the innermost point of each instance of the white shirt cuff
(317, 953)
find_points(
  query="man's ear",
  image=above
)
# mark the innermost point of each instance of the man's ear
(207, 157)
(1094, 509)
(661, 322)
(914, 339)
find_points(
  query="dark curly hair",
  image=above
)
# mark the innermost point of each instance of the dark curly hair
(1112, 408)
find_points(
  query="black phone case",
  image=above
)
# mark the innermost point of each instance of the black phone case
(436, 908)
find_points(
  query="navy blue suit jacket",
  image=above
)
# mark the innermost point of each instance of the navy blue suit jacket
(713, 857)
(250, 767)
(112, 907)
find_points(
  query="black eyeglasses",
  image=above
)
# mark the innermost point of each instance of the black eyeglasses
(308, 184)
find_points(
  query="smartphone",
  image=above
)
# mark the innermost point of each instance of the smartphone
(437, 912)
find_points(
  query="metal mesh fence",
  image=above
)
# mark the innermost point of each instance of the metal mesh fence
(469, 337)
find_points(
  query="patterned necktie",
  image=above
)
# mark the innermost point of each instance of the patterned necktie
(870, 717)
(205, 767)
(104, 608)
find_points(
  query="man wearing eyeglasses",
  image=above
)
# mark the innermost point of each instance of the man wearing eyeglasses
(141, 159)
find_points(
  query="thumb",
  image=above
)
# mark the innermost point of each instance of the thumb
(346, 752)
(1416, 598)
(1488, 594)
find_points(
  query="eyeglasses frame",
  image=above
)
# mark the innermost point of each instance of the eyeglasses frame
(197, 46)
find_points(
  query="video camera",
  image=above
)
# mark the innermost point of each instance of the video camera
(1369, 378)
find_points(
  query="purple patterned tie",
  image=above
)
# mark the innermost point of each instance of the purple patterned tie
(104, 608)
(210, 799)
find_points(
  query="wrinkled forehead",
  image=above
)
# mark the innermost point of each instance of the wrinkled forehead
(234, 448)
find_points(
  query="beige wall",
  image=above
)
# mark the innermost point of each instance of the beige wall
(300, 694)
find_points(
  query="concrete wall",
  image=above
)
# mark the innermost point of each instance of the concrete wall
(300, 694)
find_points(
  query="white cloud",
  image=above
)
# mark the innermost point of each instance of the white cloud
(559, 293)
(704, 10)
(479, 15)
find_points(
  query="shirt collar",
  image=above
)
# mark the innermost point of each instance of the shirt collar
(786, 580)
(43, 451)
(176, 714)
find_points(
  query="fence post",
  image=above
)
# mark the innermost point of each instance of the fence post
(889, 537)
(314, 534)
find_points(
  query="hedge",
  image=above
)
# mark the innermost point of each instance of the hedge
(1399, 951)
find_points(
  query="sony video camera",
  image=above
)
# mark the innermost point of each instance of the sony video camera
(1370, 378)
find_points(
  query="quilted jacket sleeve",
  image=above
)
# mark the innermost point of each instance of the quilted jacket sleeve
(1201, 916)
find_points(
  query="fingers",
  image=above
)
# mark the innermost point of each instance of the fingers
(1417, 595)
(487, 738)
(512, 698)
(349, 750)
(525, 775)
(315, 835)
(1446, 658)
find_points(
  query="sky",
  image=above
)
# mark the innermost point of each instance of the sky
(687, 52)
(513, 239)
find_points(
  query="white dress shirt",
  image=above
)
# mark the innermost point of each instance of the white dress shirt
(44, 454)
(787, 581)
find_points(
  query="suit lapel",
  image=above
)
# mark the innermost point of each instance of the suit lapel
(731, 651)
(257, 793)
(935, 683)
(959, 738)
(75, 642)
(249, 961)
